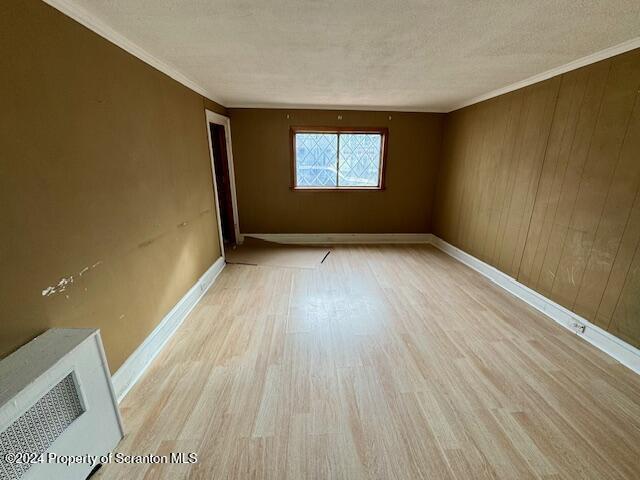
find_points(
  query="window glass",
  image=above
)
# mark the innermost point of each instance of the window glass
(316, 159)
(359, 159)
(338, 159)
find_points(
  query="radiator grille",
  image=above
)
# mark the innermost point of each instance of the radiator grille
(38, 427)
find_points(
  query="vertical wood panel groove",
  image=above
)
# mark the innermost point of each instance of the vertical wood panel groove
(513, 168)
(544, 158)
(627, 270)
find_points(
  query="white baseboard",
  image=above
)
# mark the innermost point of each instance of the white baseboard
(133, 368)
(342, 238)
(626, 354)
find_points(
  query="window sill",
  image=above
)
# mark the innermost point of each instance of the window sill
(338, 189)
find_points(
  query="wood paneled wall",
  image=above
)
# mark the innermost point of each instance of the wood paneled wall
(543, 184)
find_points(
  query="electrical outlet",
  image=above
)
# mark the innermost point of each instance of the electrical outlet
(578, 327)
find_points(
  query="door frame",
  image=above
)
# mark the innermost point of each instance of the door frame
(225, 122)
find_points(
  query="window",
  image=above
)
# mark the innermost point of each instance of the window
(338, 158)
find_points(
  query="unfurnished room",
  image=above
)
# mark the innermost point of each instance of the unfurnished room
(309, 240)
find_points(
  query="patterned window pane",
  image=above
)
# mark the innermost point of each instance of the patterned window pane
(316, 159)
(359, 159)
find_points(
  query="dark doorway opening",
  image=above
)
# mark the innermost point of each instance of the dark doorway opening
(223, 182)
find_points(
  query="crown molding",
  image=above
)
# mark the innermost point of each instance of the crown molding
(574, 65)
(342, 108)
(96, 25)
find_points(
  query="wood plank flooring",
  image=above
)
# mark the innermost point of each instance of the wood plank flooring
(387, 362)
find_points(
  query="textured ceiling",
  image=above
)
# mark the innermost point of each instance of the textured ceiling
(412, 55)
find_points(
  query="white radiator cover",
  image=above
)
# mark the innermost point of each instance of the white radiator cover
(56, 397)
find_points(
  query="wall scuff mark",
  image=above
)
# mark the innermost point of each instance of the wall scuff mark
(66, 282)
(61, 286)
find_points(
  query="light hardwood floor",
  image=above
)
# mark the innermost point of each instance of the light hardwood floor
(387, 362)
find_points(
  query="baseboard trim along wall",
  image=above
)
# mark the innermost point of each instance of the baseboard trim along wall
(626, 354)
(342, 238)
(133, 368)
